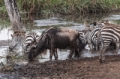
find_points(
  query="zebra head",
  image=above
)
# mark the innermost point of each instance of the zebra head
(17, 40)
(92, 25)
(29, 46)
(31, 40)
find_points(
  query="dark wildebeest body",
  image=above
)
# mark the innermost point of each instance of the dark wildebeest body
(56, 38)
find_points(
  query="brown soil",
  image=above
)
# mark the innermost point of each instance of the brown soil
(86, 68)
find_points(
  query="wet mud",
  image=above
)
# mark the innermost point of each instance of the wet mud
(85, 68)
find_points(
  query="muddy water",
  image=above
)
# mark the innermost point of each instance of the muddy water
(40, 24)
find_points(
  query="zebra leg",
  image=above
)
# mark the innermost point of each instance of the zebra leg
(55, 54)
(102, 57)
(96, 45)
(90, 46)
(117, 48)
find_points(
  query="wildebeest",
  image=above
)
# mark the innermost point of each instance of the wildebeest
(54, 38)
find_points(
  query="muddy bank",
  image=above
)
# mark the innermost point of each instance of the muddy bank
(85, 68)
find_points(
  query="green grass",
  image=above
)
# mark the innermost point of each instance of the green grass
(64, 7)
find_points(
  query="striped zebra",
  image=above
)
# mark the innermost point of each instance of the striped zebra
(90, 38)
(30, 40)
(93, 41)
(89, 35)
(108, 34)
(82, 36)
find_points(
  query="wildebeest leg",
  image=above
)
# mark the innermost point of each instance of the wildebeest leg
(55, 54)
(50, 55)
(71, 53)
(52, 51)
(77, 52)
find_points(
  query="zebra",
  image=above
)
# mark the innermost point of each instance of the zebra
(109, 33)
(92, 36)
(89, 35)
(93, 41)
(31, 39)
(81, 36)
(28, 40)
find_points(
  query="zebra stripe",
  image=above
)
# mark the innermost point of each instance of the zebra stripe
(30, 39)
(109, 34)
(93, 40)
(81, 35)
